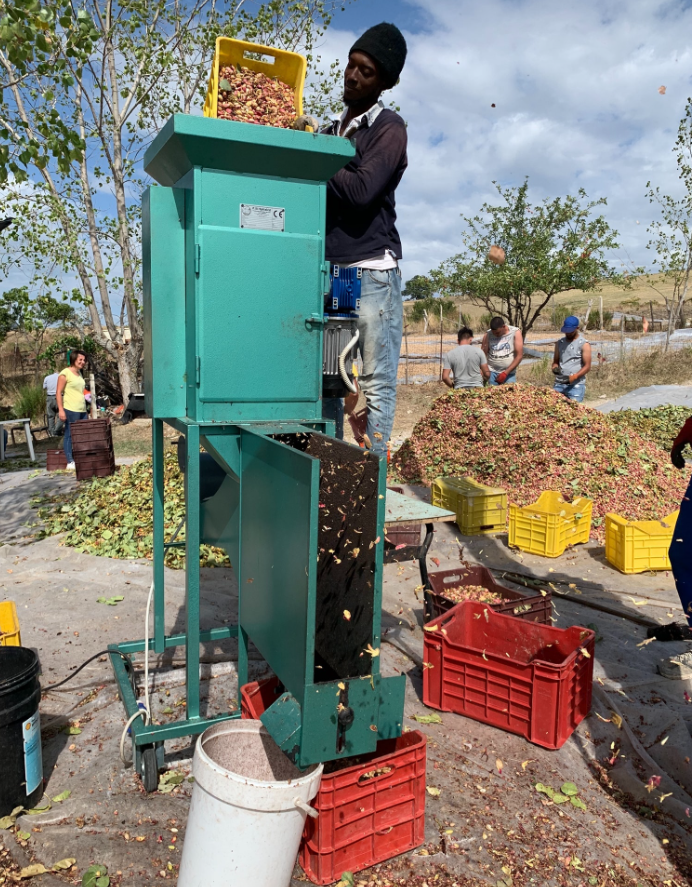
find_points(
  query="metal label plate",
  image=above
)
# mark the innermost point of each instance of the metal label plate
(264, 218)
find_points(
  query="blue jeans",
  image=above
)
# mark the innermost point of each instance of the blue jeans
(70, 417)
(510, 380)
(679, 554)
(381, 327)
(575, 391)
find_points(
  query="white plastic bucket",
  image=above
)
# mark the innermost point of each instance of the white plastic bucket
(248, 809)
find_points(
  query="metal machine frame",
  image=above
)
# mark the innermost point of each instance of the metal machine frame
(202, 379)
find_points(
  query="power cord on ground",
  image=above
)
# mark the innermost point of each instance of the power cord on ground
(51, 687)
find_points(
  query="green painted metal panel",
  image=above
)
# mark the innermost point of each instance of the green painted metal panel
(220, 520)
(256, 289)
(320, 720)
(284, 722)
(278, 557)
(392, 693)
(223, 194)
(187, 141)
(163, 265)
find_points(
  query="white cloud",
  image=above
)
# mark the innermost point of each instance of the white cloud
(577, 104)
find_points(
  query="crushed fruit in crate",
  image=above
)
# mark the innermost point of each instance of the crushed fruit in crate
(253, 97)
(472, 593)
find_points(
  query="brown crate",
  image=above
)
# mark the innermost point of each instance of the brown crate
(56, 460)
(94, 465)
(91, 436)
(540, 607)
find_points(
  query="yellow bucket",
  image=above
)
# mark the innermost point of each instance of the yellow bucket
(288, 67)
(9, 625)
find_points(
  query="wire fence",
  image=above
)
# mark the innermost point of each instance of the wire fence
(422, 355)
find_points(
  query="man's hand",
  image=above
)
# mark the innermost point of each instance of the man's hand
(676, 457)
(572, 379)
(501, 378)
(556, 370)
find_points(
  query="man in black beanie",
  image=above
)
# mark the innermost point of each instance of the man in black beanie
(361, 216)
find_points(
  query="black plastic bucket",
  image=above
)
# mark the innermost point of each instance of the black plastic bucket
(21, 767)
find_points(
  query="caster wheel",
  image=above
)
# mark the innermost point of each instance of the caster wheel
(150, 769)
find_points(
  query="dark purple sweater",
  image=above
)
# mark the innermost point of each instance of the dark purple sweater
(361, 212)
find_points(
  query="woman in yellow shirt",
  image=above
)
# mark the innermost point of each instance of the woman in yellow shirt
(71, 401)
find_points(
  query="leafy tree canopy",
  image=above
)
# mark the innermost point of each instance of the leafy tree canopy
(551, 247)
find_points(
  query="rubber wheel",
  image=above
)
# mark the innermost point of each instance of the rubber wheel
(127, 417)
(150, 769)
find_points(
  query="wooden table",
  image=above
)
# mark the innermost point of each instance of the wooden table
(400, 509)
(27, 430)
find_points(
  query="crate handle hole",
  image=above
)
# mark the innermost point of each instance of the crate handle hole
(369, 775)
(259, 57)
(449, 579)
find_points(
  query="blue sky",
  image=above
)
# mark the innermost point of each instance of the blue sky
(577, 104)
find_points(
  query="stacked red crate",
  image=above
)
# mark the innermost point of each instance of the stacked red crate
(369, 810)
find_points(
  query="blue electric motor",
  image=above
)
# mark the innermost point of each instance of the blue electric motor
(341, 308)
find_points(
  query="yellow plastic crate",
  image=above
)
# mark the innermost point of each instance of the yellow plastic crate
(548, 526)
(635, 546)
(288, 67)
(9, 625)
(479, 509)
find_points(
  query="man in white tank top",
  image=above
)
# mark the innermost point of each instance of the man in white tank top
(504, 346)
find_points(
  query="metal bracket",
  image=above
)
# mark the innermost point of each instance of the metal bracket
(316, 319)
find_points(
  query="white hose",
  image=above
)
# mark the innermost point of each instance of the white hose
(146, 653)
(342, 364)
(146, 711)
(140, 713)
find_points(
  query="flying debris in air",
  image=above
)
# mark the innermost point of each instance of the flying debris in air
(662, 90)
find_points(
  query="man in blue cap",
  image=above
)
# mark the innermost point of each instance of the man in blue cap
(361, 221)
(571, 361)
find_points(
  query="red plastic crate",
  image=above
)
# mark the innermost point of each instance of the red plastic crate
(364, 819)
(256, 697)
(540, 607)
(520, 676)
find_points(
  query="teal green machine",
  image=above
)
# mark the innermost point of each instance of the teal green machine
(234, 288)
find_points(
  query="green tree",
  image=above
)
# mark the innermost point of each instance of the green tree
(551, 247)
(671, 235)
(32, 54)
(78, 217)
(418, 287)
(13, 307)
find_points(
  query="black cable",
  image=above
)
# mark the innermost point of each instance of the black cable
(84, 664)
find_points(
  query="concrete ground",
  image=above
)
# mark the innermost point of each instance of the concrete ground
(488, 824)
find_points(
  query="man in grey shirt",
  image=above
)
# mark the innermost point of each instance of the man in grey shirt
(571, 361)
(466, 363)
(50, 385)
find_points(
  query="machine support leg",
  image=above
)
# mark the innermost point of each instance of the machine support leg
(423, 554)
(159, 551)
(192, 541)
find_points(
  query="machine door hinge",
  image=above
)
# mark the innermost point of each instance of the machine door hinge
(326, 283)
(198, 364)
(198, 257)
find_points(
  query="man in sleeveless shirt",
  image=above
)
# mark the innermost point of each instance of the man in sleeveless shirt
(504, 347)
(465, 366)
(571, 361)
(361, 217)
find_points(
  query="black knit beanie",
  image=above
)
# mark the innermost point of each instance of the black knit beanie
(386, 45)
